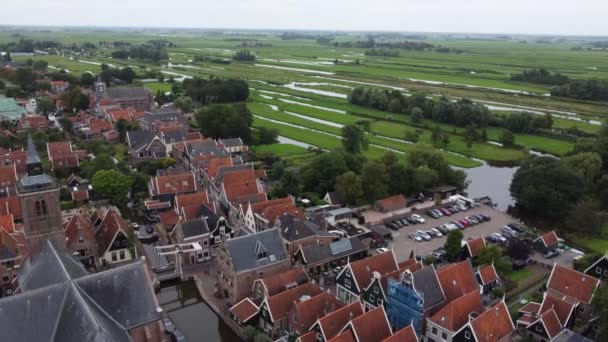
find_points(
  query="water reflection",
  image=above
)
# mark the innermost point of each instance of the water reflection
(491, 181)
(192, 316)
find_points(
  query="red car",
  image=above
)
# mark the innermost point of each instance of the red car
(445, 212)
(465, 223)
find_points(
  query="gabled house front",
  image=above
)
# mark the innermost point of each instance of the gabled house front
(599, 269)
(112, 237)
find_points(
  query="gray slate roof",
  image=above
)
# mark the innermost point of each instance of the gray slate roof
(314, 253)
(194, 227)
(61, 301)
(222, 171)
(293, 229)
(126, 92)
(232, 142)
(425, 281)
(139, 138)
(207, 147)
(32, 154)
(568, 335)
(243, 250)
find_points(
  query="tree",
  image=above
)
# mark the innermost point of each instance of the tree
(519, 249)
(127, 74)
(453, 246)
(45, 105)
(412, 135)
(66, 124)
(587, 165)
(26, 79)
(123, 126)
(507, 138)
(113, 185)
(349, 188)
(600, 309)
(417, 115)
(470, 136)
(289, 184)
(546, 188)
(426, 177)
(375, 181)
(585, 216)
(354, 139)
(74, 99)
(395, 106)
(492, 254)
(225, 121)
(87, 80)
(184, 103)
(267, 136)
(40, 65)
(102, 161)
(602, 191)
(320, 173)
(244, 56)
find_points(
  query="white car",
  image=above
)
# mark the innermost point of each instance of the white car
(381, 250)
(424, 235)
(418, 218)
(415, 236)
(436, 232)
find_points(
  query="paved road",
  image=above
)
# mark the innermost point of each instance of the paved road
(403, 245)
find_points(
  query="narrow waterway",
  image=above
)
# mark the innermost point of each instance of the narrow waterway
(192, 316)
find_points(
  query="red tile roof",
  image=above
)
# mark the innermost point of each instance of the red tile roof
(8, 175)
(98, 126)
(174, 184)
(80, 195)
(456, 314)
(61, 154)
(78, 226)
(488, 274)
(474, 246)
(308, 311)
(244, 310)
(240, 183)
(111, 224)
(310, 336)
(216, 163)
(363, 270)
(168, 218)
(411, 265)
(407, 334)
(562, 308)
(16, 157)
(494, 324)
(334, 322)
(118, 114)
(280, 304)
(196, 198)
(392, 203)
(549, 239)
(7, 222)
(156, 204)
(572, 283)
(457, 280)
(259, 207)
(346, 336)
(530, 308)
(274, 211)
(33, 122)
(372, 326)
(551, 323)
(11, 205)
(278, 283)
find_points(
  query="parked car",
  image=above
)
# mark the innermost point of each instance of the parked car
(432, 214)
(393, 226)
(404, 222)
(418, 218)
(472, 219)
(551, 254)
(462, 207)
(436, 232)
(453, 209)
(381, 250)
(479, 218)
(411, 220)
(415, 236)
(177, 336)
(499, 238)
(443, 229)
(424, 235)
(458, 224)
(465, 223)
(510, 231)
(516, 227)
(445, 211)
(398, 223)
(437, 212)
(486, 217)
(169, 326)
(438, 253)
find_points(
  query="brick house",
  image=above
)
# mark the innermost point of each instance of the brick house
(244, 259)
(80, 239)
(450, 319)
(277, 283)
(372, 326)
(112, 236)
(63, 156)
(329, 326)
(457, 280)
(390, 204)
(305, 313)
(546, 242)
(575, 286)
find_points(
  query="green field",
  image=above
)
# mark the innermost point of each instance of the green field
(482, 72)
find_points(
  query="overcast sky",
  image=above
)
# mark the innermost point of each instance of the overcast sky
(585, 17)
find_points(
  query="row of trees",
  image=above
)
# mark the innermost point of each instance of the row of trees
(153, 52)
(382, 52)
(593, 89)
(244, 56)
(541, 76)
(215, 90)
(226, 121)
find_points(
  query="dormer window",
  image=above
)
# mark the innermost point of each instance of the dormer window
(262, 255)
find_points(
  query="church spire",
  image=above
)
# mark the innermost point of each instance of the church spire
(34, 166)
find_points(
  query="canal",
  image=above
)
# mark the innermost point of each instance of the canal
(492, 181)
(192, 316)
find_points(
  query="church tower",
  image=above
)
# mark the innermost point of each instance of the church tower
(39, 196)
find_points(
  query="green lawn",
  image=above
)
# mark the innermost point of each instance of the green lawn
(282, 150)
(156, 86)
(592, 243)
(520, 275)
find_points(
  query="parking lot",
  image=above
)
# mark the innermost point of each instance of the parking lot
(403, 245)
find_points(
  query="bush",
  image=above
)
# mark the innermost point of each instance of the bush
(68, 205)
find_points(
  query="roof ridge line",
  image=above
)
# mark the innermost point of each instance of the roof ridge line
(65, 295)
(83, 293)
